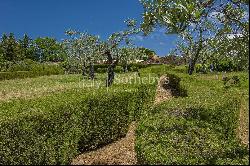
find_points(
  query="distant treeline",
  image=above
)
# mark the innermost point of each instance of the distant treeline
(40, 49)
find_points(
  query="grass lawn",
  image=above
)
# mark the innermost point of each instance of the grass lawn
(45, 85)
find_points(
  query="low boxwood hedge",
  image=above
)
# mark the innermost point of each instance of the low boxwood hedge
(198, 129)
(28, 68)
(44, 70)
(54, 129)
(102, 68)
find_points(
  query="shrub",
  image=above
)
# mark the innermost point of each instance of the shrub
(181, 69)
(231, 81)
(71, 68)
(12, 75)
(101, 70)
(133, 69)
(119, 69)
(190, 136)
(29, 69)
(54, 129)
(201, 68)
(173, 83)
(4, 65)
(198, 129)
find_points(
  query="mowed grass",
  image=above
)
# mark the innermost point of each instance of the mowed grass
(35, 87)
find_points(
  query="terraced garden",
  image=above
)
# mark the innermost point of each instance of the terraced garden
(53, 119)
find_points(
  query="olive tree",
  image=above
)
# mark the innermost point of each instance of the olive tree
(130, 54)
(82, 48)
(110, 48)
(194, 21)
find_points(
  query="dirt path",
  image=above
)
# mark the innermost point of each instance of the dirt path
(243, 130)
(121, 152)
(162, 94)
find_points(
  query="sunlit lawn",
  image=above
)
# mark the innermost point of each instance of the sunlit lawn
(45, 85)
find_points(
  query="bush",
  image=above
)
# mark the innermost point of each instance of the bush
(226, 65)
(173, 83)
(12, 75)
(231, 81)
(4, 65)
(183, 136)
(71, 68)
(30, 69)
(54, 129)
(102, 68)
(134, 69)
(181, 69)
(198, 129)
(201, 68)
(119, 69)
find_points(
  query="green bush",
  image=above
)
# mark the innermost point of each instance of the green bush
(181, 69)
(54, 129)
(183, 136)
(71, 68)
(173, 83)
(102, 68)
(197, 129)
(119, 69)
(24, 70)
(233, 81)
(199, 68)
(226, 65)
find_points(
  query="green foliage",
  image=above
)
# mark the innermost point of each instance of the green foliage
(231, 81)
(54, 129)
(28, 68)
(173, 83)
(198, 129)
(148, 53)
(204, 28)
(102, 68)
(202, 68)
(48, 49)
(9, 47)
(40, 49)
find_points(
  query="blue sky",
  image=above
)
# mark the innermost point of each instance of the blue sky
(52, 18)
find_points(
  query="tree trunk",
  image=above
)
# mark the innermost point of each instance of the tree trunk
(111, 73)
(111, 69)
(84, 69)
(125, 68)
(190, 66)
(111, 76)
(193, 61)
(91, 71)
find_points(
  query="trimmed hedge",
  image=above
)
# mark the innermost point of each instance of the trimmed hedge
(102, 68)
(198, 129)
(54, 129)
(28, 68)
(184, 136)
(43, 70)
